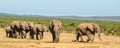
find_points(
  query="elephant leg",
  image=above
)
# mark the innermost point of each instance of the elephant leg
(92, 36)
(24, 33)
(14, 35)
(81, 38)
(21, 35)
(31, 35)
(10, 35)
(37, 36)
(53, 36)
(40, 35)
(17, 34)
(7, 34)
(89, 36)
(77, 36)
(58, 37)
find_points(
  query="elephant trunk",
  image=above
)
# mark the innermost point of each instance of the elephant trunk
(42, 35)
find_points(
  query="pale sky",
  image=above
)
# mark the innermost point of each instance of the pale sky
(61, 7)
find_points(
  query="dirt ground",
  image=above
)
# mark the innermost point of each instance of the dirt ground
(65, 42)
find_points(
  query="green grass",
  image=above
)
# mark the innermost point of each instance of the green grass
(69, 25)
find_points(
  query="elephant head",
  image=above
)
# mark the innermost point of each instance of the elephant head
(30, 24)
(97, 29)
(54, 27)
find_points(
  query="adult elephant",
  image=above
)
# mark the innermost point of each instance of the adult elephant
(9, 32)
(55, 26)
(15, 26)
(25, 27)
(38, 30)
(88, 29)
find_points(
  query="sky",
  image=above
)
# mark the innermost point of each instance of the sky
(61, 7)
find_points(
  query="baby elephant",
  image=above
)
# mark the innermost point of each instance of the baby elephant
(9, 32)
(88, 29)
(38, 30)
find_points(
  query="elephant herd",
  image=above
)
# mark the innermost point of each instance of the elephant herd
(19, 29)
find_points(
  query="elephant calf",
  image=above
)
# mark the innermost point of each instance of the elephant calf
(9, 32)
(38, 30)
(88, 29)
(54, 27)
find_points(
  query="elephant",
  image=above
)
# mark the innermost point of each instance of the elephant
(21, 28)
(55, 27)
(25, 28)
(15, 26)
(38, 30)
(88, 29)
(9, 32)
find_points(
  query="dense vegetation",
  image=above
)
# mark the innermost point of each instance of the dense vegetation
(69, 25)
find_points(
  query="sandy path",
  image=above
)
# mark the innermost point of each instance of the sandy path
(65, 42)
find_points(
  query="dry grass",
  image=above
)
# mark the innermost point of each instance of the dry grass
(65, 42)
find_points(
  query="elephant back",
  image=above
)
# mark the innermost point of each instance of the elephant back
(39, 27)
(23, 25)
(83, 26)
(15, 24)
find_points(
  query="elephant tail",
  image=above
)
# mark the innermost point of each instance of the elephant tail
(99, 36)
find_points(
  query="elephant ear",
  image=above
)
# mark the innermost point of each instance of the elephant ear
(91, 27)
(96, 27)
(50, 25)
